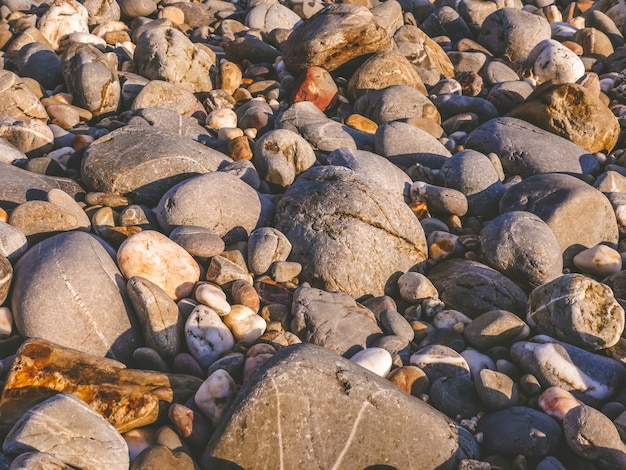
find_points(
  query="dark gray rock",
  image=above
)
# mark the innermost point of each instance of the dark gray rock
(451, 104)
(578, 310)
(473, 288)
(68, 290)
(393, 323)
(256, 114)
(474, 175)
(198, 241)
(520, 430)
(354, 239)
(159, 456)
(332, 320)
(526, 150)
(522, 246)
(507, 95)
(143, 163)
(308, 388)
(41, 63)
(265, 246)
(455, 396)
(496, 390)
(445, 21)
(393, 103)
(558, 200)
(495, 328)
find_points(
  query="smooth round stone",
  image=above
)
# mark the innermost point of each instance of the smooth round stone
(152, 255)
(269, 16)
(473, 174)
(495, 328)
(551, 60)
(323, 236)
(38, 460)
(513, 32)
(411, 379)
(190, 423)
(220, 118)
(505, 96)
(316, 85)
(230, 76)
(18, 100)
(440, 199)
(243, 293)
(244, 170)
(158, 315)
(158, 456)
(558, 199)
(285, 271)
(450, 319)
(135, 8)
(6, 322)
(162, 94)
(415, 287)
(394, 103)
(223, 271)
(266, 245)
(162, 53)
(245, 325)
(113, 163)
(451, 105)
(578, 310)
(522, 246)
(256, 114)
(215, 395)
(393, 323)
(61, 19)
(520, 430)
(594, 42)
(149, 359)
(557, 402)
(9, 153)
(474, 288)
(377, 360)
(207, 336)
(213, 296)
(198, 241)
(6, 275)
(600, 260)
(280, 155)
(40, 62)
(13, 242)
(496, 390)
(93, 443)
(30, 136)
(456, 397)
(440, 361)
(67, 288)
(40, 219)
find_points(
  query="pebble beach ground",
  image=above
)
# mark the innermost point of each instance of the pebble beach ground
(312, 235)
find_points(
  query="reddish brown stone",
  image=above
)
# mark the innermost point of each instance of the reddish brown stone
(316, 85)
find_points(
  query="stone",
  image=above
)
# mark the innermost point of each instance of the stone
(520, 430)
(427, 57)
(378, 223)
(207, 336)
(525, 149)
(197, 241)
(573, 112)
(101, 11)
(374, 359)
(38, 61)
(155, 257)
(63, 18)
(243, 293)
(251, 48)
(244, 323)
(495, 328)
(113, 163)
(91, 79)
(256, 114)
(600, 260)
(163, 52)
(578, 310)
(439, 361)
(318, 379)
(30, 136)
(474, 288)
(82, 439)
(162, 457)
(382, 70)
(41, 219)
(555, 198)
(162, 94)
(496, 390)
(9, 153)
(556, 402)
(126, 398)
(415, 287)
(6, 276)
(18, 100)
(158, 315)
(332, 320)
(135, 8)
(505, 96)
(266, 245)
(38, 460)
(446, 21)
(439, 199)
(393, 323)
(512, 32)
(280, 155)
(215, 395)
(450, 105)
(54, 298)
(334, 36)
(411, 379)
(395, 102)
(212, 296)
(473, 174)
(269, 16)
(456, 397)
(316, 85)
(589, 377)
(222, 271)
(229, 78)
(552, 61)
(523, 247)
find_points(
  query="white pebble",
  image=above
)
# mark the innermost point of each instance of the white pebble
(416, 286)
(377, 360)
(477, 361)
(222, 117)
(213, 296)
(207, 336)
(600, 260)
(245, 325)
(215, 395)
(6, 322)
(449, 318)
(228, 133)
(551, 60)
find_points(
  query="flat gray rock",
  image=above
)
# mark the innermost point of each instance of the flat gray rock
(309, 408)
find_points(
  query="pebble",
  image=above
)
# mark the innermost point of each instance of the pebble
(375, 359)
(244, 323)
(207, 336)
(440, 361)
(212, 296)
(215, 395)
(600, 260)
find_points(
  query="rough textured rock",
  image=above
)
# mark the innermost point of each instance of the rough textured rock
(18, 100)
(162, 94)
(578, 310)
(551, 60)
(334, 36)
(473, 288)
(68, 290)
(354, 239)
(366, 401)
(144, 162)
(30, 136)
(525, 149)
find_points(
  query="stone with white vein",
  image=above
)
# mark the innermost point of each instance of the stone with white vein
(207, 336)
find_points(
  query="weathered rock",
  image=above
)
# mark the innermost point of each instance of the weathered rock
(495, 328)
(207, 336)
(552, 61)
(126, 398)
(32, 136)
(496, 390)
(578, 310)
(159, 456)
(334, 238)
(316, 85)
(395, 102)
(17, 100)
(162, 94)
(13, 243)
(40, 219)
(303, 369)
(38, 460)
(474, 288)
(334, 36)
(63, 18)
(121, 163)
(269, 16)
(198, 241)
(68, 290)
(332, 320)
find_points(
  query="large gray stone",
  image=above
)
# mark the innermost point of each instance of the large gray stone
(526, 150)
(68, 290)
(355, 238)
(333, 320)
(310, 408)
(144, 162)
(473, 288)
(65, 427)
(395, 102)
(41, 63)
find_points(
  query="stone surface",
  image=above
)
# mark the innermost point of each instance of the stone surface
(334, 238)
(316, 85)
(365, 400)
(495, 328)
(395, 102)
(162, 94)
(63, 18)
(13, 243)
(68, 290)
(552, 61)
(18, 100)
(207, 336)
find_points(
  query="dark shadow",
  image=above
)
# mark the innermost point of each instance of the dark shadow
(214, 463)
